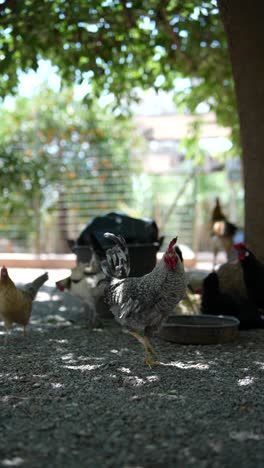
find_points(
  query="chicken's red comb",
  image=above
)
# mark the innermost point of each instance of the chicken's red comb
(240, 245)
(172, 243)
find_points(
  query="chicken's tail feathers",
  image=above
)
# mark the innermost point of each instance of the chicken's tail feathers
(33, 287)
(4, 273)
(118, 240)
(117, 262)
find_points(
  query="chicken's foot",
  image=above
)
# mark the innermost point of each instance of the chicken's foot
(150, 352)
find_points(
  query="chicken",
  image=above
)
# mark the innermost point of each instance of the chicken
(236, 289)
(88, 285)
(141, 304)
(222, 232)
(253, 274)
(16, 302)
(217, 213)
(231, 281)
(216, 302)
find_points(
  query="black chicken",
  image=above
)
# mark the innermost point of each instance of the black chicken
(253, 274)
(236, 288)
(216, 302)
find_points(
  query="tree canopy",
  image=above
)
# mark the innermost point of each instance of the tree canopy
(117, 46)
(56, 142)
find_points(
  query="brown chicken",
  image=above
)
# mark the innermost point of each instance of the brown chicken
(16, 303)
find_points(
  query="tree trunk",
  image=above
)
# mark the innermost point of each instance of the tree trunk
(243, 22)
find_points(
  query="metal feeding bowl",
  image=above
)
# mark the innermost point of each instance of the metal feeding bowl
(200, 329)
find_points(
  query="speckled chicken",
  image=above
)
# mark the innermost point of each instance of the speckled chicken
(142, 304)
(16, 303)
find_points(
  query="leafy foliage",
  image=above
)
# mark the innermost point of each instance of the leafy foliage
(51, 141)
(117, 46)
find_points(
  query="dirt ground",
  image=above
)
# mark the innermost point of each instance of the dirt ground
(75, 397)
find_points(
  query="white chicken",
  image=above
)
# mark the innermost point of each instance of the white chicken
(86, 285)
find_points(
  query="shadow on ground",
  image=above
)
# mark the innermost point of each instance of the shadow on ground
(71, 396)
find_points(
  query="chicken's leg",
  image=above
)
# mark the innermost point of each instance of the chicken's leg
(6, 335)
(150, 352)
(8, 326)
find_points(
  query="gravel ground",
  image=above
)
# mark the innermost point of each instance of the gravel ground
(75, 397)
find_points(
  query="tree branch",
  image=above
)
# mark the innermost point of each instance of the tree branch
(163, 21)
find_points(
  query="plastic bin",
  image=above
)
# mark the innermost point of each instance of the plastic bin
(143, 257)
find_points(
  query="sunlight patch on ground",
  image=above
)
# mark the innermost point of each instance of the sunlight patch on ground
(43, 296)
(59, 341)
(119, 352)
(84, 367)
(56, 385)
(241, 436)
(152, 378)
(246, 381)
(72, 359)
(125, 370)
(261, 364)
(133, 381)
(53, 319)
(41, 376)
(183, 365)
(12, 461)
(83, 358)
(68, 357)
(54, 297)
